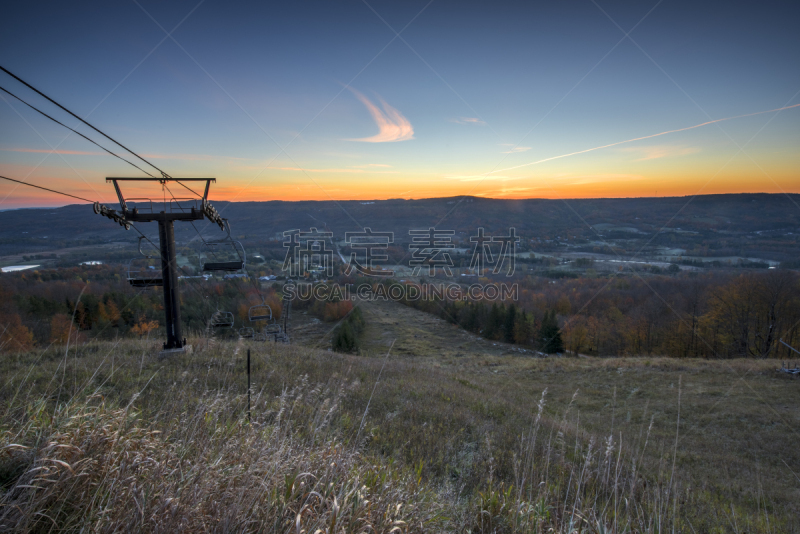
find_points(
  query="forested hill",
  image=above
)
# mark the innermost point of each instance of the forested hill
(761, 214)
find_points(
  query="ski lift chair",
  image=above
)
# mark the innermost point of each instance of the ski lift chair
(272, 329)
(228, 254)
(222, 319)
(145, 272)
(246, 332)
(260, 312)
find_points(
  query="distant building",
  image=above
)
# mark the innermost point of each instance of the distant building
(267, 278)
(233, 276)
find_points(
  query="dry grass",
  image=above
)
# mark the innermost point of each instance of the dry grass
(109, 438)
(90, 467)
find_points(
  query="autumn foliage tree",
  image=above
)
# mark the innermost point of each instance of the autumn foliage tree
(143, 327)
(14, 336)
(749, 315)
(60, 328)
(336, 310)
(713, 315)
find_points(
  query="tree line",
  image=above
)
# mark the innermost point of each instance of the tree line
(711, 315)
(708, 315)
(38, 308)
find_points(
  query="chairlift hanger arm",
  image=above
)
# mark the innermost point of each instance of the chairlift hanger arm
(141, 237)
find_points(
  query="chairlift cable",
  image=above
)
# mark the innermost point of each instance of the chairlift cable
(165, 175)
(189, 188)
(201, 293)
(71, 196)
(45, 189)
(74, 131)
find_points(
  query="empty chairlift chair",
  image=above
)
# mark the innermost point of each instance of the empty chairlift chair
(225, 255)
(221, 319)
(274, 332)
(260, 312)
(246, 332)
(145, 272)
(272, 329)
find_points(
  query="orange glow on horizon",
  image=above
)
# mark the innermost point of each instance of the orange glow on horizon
(583, 190)
(635, 177)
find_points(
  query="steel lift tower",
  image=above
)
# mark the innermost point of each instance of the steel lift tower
(171, 210)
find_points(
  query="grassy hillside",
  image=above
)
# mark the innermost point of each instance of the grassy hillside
(480, 438)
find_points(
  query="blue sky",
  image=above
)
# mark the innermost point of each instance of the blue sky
(466, 91)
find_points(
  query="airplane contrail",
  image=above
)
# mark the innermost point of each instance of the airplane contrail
(641, 138)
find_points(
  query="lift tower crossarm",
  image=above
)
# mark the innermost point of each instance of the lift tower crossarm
(178, 213)
(174, 210)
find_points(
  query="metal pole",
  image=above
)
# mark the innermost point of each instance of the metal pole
(169, 273)
(248, 385)
(790, 347)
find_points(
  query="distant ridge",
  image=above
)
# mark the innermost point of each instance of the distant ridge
(741, 213)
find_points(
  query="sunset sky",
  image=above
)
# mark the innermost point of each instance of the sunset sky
(323, 100)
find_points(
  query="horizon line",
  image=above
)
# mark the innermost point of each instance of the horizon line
(455, 197)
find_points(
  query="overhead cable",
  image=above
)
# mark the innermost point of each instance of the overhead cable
(165, 175)
(74, 131)
(46, 189)
(99, 208)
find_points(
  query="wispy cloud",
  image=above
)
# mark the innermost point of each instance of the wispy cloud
(659, 134)
(392, 124)
(468, 120)
(370, 165)
(659, 151)
(514, 149)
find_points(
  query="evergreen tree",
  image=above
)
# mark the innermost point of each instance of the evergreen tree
(480, 317)
(494, 323)
(522, 329)
(508, 325)
(550, 335)
(467, 317)
(345, 337)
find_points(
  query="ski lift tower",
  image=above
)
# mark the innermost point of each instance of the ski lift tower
(166, 212)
